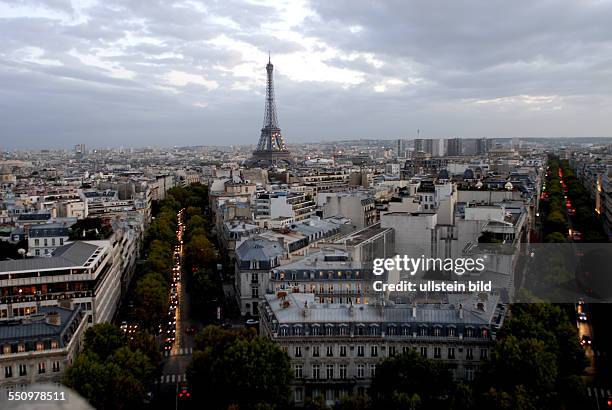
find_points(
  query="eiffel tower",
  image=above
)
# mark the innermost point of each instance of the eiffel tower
(271, 148)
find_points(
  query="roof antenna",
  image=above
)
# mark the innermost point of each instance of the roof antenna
(269, 58)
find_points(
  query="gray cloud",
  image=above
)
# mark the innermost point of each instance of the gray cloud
(143, 72)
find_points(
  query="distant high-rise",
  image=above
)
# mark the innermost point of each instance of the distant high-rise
(271, 148)
(79, 150)
(454, 147)
(434, 147)
(483, 145)
(401, 148)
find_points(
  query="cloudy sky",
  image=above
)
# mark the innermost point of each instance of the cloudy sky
(157, 72)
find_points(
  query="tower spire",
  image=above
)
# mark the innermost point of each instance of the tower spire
(271, 147)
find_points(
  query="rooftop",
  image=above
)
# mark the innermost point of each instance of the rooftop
(377, 313)
(37, 326)
(72, 255)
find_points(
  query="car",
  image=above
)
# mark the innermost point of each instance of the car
(582, 317)
(251, 322)
(586, 340)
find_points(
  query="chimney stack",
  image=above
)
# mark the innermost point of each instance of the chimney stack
(53, 318)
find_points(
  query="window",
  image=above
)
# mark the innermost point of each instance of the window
(437, 352)
(469, 332)
(298, 371)
(372, 371)
(39, 346)
(315, 351)
(20, 348)
(61, 241)
(36, 242)
(342, 351)
(46, 242)
(405, 349)
(316, 371)
(360, 351)
(451, 332)
(360, 371)
(436, 331)
(23, 369)
(8, 371)
(298, 351)
(423, 331)
(54, 344)
(469, 374)
(284, 331)
(451, 352)
(374, 351)
(41, 367)
(37, 252)
(343, 330)
(391, 351)
(329, 395)
(424, 351)
(330, 351)
(254, 278)
(316, 331)
(6, 349)
(52, 241)
(469, 353)
(299, 394)
(255, 292)
(484, 354)
(329, 371)
(56, 366)
(342, 371)
(329, 330)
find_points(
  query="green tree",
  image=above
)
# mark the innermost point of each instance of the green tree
(108, 373)
(399, 378)
(151, 296)
(103, 339)
(555, 237)
(238, 368)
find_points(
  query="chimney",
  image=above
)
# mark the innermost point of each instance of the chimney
(53, 318)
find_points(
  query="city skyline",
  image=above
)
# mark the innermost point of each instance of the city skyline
(120, 74)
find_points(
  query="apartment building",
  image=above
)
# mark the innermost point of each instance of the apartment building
(88, 273)
(39, 347)
(335, 348)
(45, 238)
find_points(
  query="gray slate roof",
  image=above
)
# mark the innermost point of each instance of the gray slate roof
(48, 230)
(37, 328)
(258, 249)
(74, 254)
